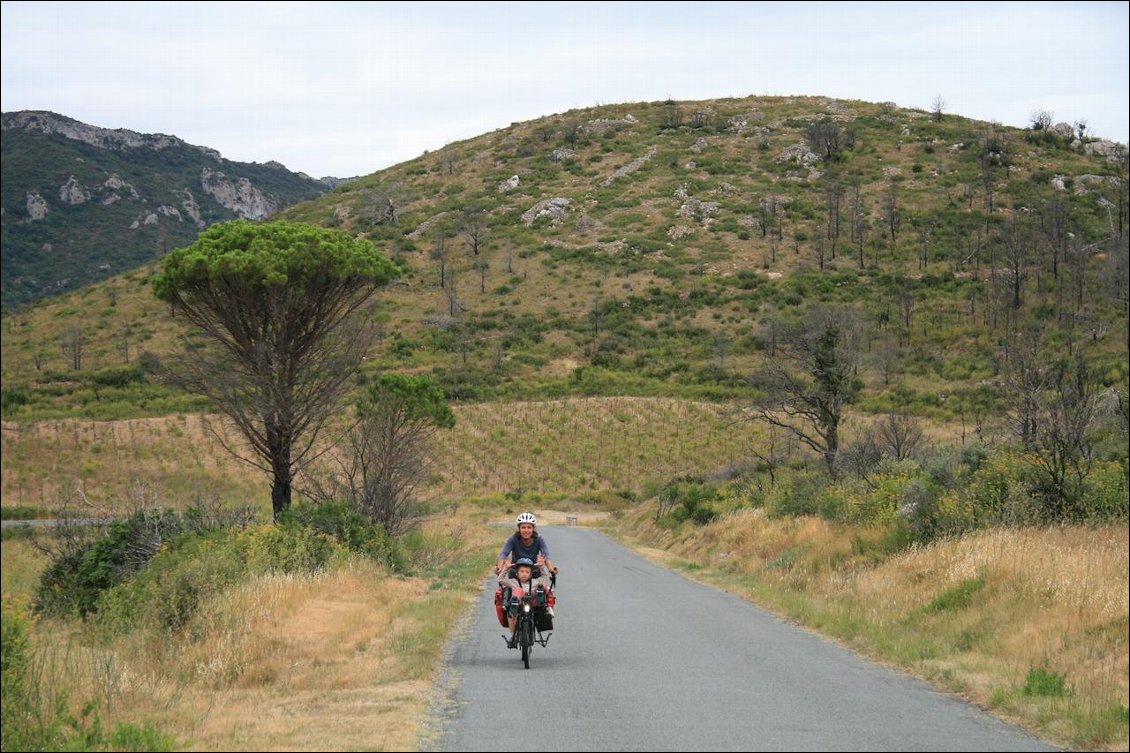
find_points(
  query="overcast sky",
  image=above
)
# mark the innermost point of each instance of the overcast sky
(346, 89)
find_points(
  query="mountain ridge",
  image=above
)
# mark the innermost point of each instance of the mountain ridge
(81, 202)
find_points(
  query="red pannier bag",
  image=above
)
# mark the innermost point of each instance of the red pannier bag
(501, 610)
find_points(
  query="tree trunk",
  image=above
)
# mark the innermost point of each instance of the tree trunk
(280, 488)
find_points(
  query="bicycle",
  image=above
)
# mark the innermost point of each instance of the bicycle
(535, 623)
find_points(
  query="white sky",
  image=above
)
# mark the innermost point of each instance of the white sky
(344, 89)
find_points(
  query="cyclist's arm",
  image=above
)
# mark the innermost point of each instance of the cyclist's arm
(504, 555)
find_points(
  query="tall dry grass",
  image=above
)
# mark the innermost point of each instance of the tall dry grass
(338, 660)
(976, 614)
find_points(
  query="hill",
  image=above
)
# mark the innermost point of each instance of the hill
(83, 203)
(657, 249)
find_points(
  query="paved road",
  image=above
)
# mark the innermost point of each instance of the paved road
(56, 522)
(643, 659)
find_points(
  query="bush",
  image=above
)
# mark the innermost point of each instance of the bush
(1044, 682)
(194, 568)
(349, 528)
(688, 498)
(83, 570)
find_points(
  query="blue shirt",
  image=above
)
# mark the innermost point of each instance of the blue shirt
(515, 546)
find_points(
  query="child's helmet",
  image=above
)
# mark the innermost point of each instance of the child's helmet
(524, 561)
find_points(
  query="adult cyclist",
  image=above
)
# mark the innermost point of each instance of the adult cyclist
(526, 542)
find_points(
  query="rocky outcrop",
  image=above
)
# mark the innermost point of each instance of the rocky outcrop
(103, 138)
(602, 125)
(631, 167)
(424, 226)
(192, 209)
(36, 207)
(73, 193)
(115, 183)
(1111, 150)
(240, 196)
(556, 209)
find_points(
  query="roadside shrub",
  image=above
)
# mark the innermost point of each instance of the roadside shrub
(918, 507)
(165, 595)
(688, 498)
(1105, 496)
(797, 495)
(82, 570)
(1044, 682)
(349, 528)
(958, 597)
(193, 568)
(996, 494)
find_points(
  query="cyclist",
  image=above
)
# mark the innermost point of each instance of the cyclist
(527, 542)
(520, 584)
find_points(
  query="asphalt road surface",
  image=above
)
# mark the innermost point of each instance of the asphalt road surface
(642, 659)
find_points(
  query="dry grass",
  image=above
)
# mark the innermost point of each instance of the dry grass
(22, 567)
(566, 446)
(974, 614)
(339, 660)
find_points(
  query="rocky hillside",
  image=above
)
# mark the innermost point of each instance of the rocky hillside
(663, 248)
(82, 203)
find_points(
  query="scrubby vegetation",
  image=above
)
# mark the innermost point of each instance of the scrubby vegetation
(854, 361)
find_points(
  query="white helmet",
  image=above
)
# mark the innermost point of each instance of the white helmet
(527, 517)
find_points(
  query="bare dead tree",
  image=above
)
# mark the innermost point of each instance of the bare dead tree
(1041, 120)
(388, 452)
(454, 305)
(1017, 246)
(473, 226)
(596, 315)
(1054, 222)
(924, 231)
(448, 158)
(1121, 164)
(858, 212)
(860, 456)
(1025, 380)
(1063, 450)
(827, 138)
(820, 247)
(833, 200)
(439, 253)
(384, 204)
(807, 391)
(891, 214)
(481, 266)
(900, 435)
(778, 449)
(72, 345)
(937, 108)
(1117, 275)
(904, 300)
(887, 356)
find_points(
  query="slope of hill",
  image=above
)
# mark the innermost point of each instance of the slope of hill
(657, 248)
(82, 203)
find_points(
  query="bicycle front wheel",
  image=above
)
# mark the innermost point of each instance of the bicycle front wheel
(526, 639)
